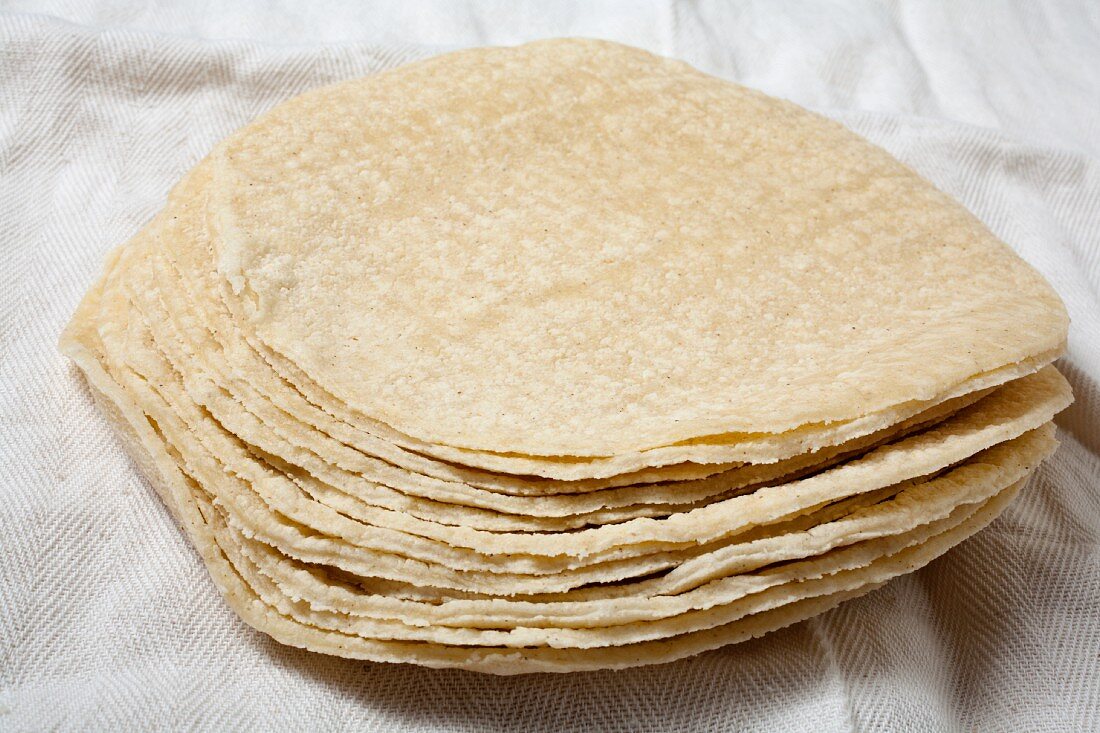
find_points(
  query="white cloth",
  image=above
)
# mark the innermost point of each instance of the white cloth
(107, 618)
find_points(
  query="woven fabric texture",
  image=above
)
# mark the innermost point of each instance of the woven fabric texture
(107, 618)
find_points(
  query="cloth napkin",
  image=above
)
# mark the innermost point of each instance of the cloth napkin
(107, 618)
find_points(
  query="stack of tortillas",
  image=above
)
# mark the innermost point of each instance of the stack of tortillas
(564, 357)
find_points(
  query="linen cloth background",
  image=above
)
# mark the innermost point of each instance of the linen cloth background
(107, 618)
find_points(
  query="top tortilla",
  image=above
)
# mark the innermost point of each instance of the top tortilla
(578, 249)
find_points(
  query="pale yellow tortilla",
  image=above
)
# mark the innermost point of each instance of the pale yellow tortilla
(693, 483)
(421, 245)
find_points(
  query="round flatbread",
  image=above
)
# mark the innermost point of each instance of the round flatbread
(518, 251)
